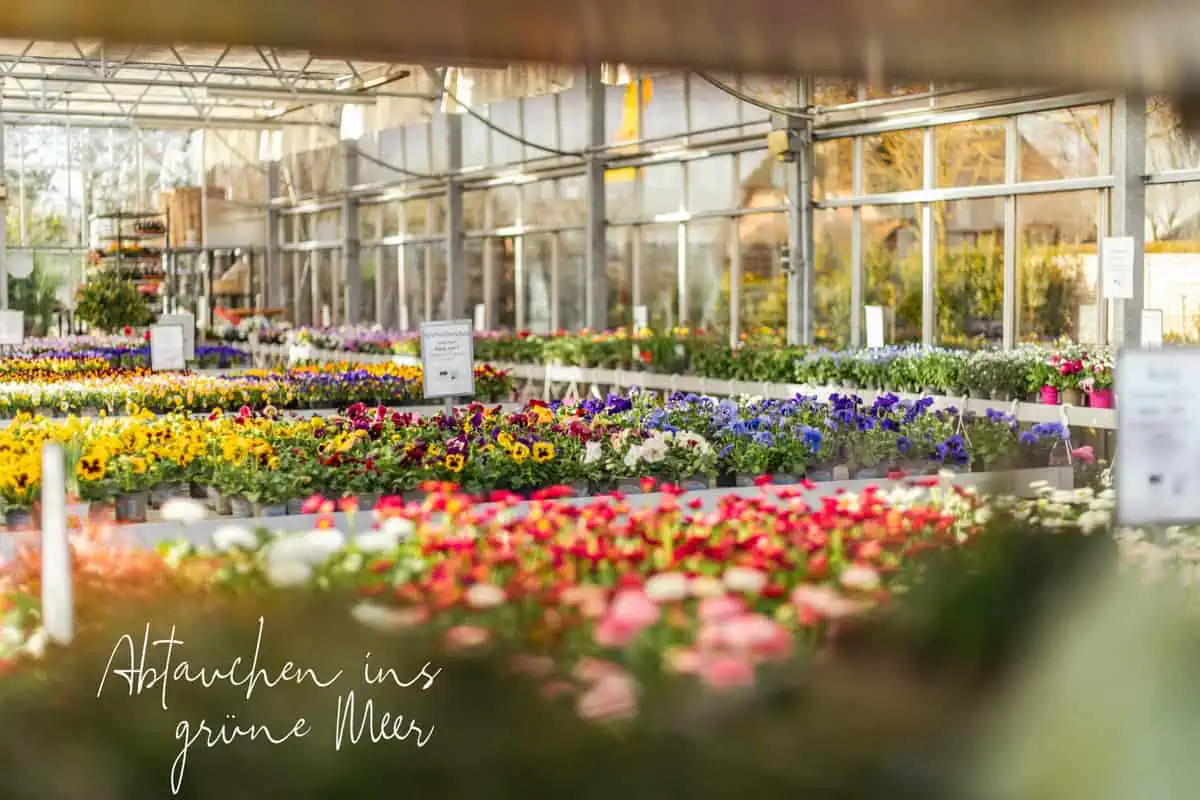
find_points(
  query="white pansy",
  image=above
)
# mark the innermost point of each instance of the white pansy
(485, 595)
(399, 527)
(592, 452)
(745, 579)
(382, 618)
(667, 587)
(705, 586)
(286, 573)
(312, 548)
(234, 537)
(183, 511)
(633, 457)
(860, 579)
(377, 541)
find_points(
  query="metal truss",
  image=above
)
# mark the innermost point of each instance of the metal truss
(90, 83)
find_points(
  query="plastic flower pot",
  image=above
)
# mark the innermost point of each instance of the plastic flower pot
(367, 502)
(820, 475)
(596, 488)
(786, 479)
(743, 481)
(240, 508)
(1049, 396)
(629, 485)
(197, 491)
(580, 488)
(18, 519)
(696, 483)
(270, 509)
(1101, 398)
(295, 506)
(131, 506)
(869, 473)
(1071, 397)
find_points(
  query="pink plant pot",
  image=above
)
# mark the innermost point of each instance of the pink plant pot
(1049, 396)
(1101, 398)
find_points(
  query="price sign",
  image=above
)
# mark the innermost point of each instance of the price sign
(1119, 253)
(299, 353)
(874, 320)
(1157, 481)
(448, 358)
(12, 328)
(1152, 328)
(167, 353)
(188, 323)
(641, 318)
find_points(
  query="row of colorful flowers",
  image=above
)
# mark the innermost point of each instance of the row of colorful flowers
(266, 460)
(33, 365)
(1001, 375)
(326, 385)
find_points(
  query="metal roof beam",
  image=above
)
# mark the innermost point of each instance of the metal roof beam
(96, 80)
(54, 116)
(156, 66)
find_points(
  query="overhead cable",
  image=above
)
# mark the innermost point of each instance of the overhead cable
(790, 111)
(509, 134)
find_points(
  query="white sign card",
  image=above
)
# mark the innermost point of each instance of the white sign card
(641, 317)
(20, 263)
(1156, 472)
(480, 317)
(188, 323)
(299, 353)
(1089, 330)
(326, 317)
(167, 348)
(1152, 328)
(448, 358)
(12, 328)
(1117, 256)
(874, 320)
(58, 608)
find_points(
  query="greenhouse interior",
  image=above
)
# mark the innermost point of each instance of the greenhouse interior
(696, 430)
(565, 199)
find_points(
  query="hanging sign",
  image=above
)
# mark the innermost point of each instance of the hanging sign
(188, 323)
(874, 320)
(167, 352)
(1158, 418)
(12, 328)
(1118, 254)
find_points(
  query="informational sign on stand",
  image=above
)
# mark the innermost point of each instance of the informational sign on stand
(874, 320)
(480, 317)
(1117, 256)
(299, 353)
(641, 318)
(167, 348)
(448, 358)
(188, 323)
(12, 328)
(1152, 328)
(1155, 474)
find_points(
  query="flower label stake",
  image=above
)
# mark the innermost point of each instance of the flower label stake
(58, 610)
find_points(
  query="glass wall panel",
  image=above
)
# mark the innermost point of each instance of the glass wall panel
(1168, 143)
(573, 117)
(761, 181)
(438, 135)
(474, 255)
(1173, 257)
(662, 190)
(711, 107)
(506, 202)
(762, 239)
(1056, 266)
(708, 274)
(541, 125)
(416, 147)
(832, 267)
(572, 300)
(413, 311)
(834, 91)
(710, 184)
(435, 281)
(476, 141)
(885, 90)
(539, 251)
(504, 260)
(665, 114)
(892, 268)
(620, 275)
(1060, 144)
(620, 194)
(893, 162)
(969, 252)
(971, 153)
(833, 168)
(660, 274)
(507, 117)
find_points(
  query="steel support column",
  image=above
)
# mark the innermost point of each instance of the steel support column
(800, 276)
(1129, 209)
(454, 304)
(273, 289)
(596, 234)
(929, 245)
(351, 255)
(1012, 240)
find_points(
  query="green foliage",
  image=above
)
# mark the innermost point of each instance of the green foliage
(35, 296)
(110, 303)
